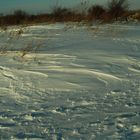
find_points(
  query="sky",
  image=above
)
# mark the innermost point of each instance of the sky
(38, 6)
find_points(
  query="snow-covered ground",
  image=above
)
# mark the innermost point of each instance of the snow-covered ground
(72, 83)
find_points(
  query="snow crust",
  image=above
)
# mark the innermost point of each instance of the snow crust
(74, 82)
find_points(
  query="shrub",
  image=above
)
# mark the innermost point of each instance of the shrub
(60, 13)
(117, 8)
(96, 11)
(20, 13)
(19, 16)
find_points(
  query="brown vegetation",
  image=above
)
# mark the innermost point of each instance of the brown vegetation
(116, 10)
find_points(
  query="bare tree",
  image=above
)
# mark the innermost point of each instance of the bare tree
(96, 11)
(20, 13)
(116, 8)
(59, 12)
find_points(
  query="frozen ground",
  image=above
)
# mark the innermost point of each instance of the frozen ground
(73, 83)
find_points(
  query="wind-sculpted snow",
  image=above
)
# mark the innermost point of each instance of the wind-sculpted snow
(70, 82)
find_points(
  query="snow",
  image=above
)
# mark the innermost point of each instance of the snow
(70, 82)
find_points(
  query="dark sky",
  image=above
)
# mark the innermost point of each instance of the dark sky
(7, 6)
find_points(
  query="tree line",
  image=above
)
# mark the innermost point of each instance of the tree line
(115, 10)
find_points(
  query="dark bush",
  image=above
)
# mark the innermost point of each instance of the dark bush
(60, 13)
(20, 13)
(117, 8)
(96, 11)
(20, 16)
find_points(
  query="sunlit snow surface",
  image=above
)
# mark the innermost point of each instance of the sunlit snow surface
(74, 83)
